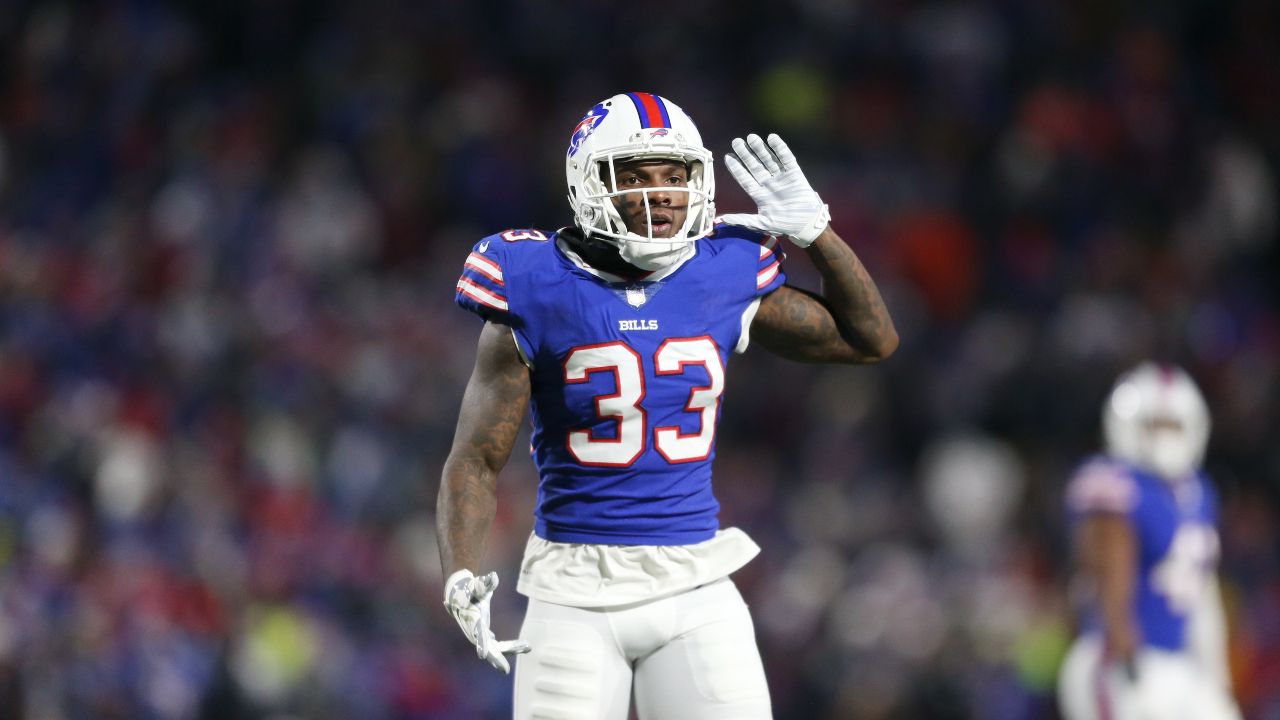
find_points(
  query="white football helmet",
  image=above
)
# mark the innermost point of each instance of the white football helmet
(637, 126)
(1157, 419)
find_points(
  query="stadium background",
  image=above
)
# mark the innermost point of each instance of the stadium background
(230, 364)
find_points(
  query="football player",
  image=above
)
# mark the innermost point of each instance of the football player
(1153, 645)
(617, 333)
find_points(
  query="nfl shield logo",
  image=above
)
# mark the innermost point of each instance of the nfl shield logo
(636, 296)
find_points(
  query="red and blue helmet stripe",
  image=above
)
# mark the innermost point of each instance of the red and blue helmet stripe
(652, 110)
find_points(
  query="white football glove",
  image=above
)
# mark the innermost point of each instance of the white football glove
(770, 175)
(466, 597)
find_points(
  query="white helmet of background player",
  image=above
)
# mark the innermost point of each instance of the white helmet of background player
(1157, 419)
(634, 126)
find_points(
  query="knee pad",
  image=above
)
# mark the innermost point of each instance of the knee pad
(561, 677)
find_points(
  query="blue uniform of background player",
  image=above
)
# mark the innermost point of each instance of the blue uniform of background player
(617, 334)
(1152, 643)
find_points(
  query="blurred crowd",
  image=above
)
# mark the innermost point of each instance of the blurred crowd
(230, 364)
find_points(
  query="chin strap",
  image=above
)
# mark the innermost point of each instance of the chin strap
(646, 258)
(600, 254)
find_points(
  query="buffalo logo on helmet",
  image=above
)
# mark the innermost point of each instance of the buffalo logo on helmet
(585, 127)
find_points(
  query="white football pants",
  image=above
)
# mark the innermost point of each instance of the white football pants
(690, 656)
(1169, 687)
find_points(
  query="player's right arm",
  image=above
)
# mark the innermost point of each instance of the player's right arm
(1109, 555)
(493, 408)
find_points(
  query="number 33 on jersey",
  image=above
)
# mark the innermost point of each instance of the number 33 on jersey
(627, 376)
(624, 405)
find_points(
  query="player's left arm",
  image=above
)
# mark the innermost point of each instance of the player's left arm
(1207, 634)
(848, 322)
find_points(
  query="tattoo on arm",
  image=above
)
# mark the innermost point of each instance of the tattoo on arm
(848, 323)
(797, 325)
(493, 409)
(853, 297)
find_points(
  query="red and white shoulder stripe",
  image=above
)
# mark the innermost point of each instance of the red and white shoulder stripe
(482, 295)
(483, 284)
(770, 262)
(485, 267)
(1102, 487)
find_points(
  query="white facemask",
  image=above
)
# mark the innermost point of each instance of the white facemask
(1171, 455)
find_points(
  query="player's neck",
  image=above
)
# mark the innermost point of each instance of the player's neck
(601, 255)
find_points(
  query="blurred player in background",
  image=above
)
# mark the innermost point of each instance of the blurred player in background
(619, 331)
(1154, 639)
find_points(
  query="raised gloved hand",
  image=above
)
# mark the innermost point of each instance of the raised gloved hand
(466, 597)
(787, 204)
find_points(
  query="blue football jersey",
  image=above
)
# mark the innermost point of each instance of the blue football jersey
(627, 377)
(1175, 528)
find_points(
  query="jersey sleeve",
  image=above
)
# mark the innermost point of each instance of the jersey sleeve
(1102, 487)
(482, 287)
(761, 255)
(768, 252)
